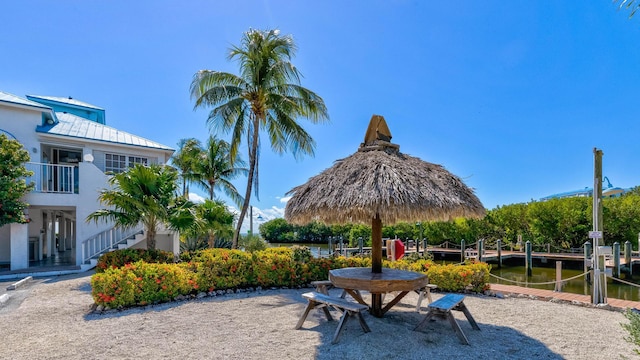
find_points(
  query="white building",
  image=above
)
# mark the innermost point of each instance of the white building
(71, 149)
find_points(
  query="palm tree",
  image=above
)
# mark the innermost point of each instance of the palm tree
(185, 159)
(216, 168)
(266, 96)
(631, 5)
(148, 195)
(214, 219)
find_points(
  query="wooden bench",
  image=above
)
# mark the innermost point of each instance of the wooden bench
(425, 292)
(443, 306)
(348, 309)
(323, 287)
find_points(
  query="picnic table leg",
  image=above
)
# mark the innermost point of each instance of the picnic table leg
(466, 312)
(355, 294)
(429, 315)
(343, 320)
(376, 305)
(304, 316)
(363, 323)
(394, 301)
(456, 327)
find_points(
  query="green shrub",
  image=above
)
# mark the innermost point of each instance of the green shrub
(456, 278)
(141, 283)
(218, 269)
(193, 244)
(301, 253)
(273, 269)
(282, 250)
(222, 269)
(119, 258)
(633, 327)
(113, 288)
(253, 243)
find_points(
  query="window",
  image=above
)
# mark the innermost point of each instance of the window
(119, 163)
(137, 160)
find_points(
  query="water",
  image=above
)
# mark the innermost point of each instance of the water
(615, 289)
(317, 250)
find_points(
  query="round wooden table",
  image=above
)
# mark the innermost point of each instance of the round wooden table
(352, 279)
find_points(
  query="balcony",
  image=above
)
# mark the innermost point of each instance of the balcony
(53, 178)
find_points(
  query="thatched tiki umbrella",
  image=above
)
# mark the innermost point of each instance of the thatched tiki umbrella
(379, 184)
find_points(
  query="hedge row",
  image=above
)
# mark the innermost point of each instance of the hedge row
(119, 258)
(141, 283)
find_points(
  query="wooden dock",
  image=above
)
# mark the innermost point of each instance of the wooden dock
(492, 255)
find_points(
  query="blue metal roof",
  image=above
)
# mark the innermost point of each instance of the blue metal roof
(69, 101)
(10, 98)
(74, 126)
(583, 192)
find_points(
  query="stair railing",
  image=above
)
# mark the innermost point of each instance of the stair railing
(106, 240)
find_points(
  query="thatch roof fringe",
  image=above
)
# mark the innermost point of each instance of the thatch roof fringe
(398, 187)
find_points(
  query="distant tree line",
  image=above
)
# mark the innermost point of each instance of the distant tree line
(563, 223)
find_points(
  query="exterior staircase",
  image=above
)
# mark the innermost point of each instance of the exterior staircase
(109, 240)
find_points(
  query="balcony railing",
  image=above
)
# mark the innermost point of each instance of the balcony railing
(53, 178)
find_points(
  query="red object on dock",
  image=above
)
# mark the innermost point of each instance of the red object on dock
(399, 249)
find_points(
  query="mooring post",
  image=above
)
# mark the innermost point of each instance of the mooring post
(463, 246)
(616, 259)
(587, 261)
(558, 287)
(499, 248)
(627, 256)
(528, 258)
(480, 249)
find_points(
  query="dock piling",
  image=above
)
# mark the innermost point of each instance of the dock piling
(558, 286)
(528, 264)
(627, 256)
(587, 261)
(499, 248)
(616, 260)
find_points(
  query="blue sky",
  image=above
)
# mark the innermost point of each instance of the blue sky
(512, 96)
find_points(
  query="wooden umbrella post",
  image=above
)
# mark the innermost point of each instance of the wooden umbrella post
(376, 262)
(376, 244)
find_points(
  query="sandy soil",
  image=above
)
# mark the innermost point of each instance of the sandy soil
(53, 319)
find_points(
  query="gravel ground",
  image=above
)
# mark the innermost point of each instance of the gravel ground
(53, 319)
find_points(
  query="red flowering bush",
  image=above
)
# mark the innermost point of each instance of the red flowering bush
(141, 283)
(472, 277)
(119, 258)
(218, 269)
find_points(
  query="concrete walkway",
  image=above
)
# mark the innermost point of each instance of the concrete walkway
(549, 294)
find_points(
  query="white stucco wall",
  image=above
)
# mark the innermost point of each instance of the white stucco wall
(92, 182)
(21, 123)
(19, 246)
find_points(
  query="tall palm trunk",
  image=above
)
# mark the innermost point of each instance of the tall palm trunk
(151, 235)
(247, 195)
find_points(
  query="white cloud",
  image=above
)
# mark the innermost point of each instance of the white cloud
(260, 216)
(196, 198)
(285, 199)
